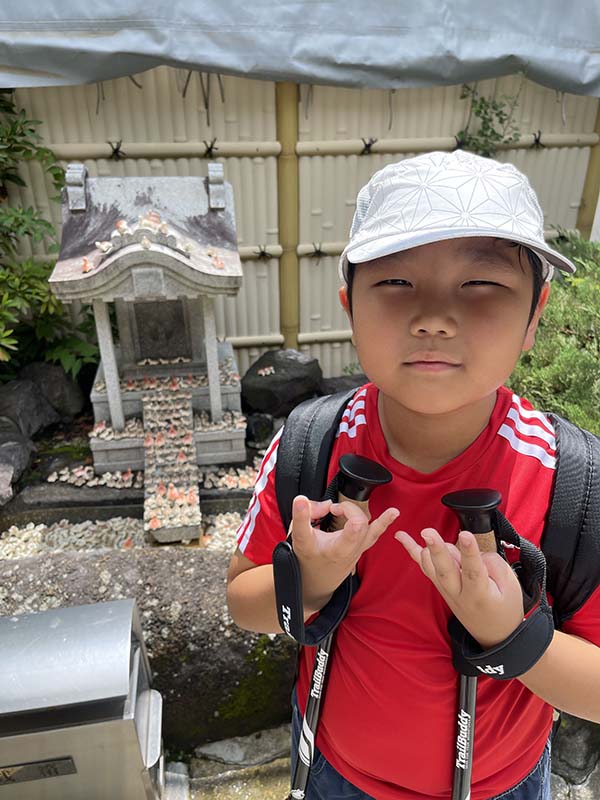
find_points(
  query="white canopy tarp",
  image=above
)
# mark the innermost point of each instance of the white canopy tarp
(398, 43)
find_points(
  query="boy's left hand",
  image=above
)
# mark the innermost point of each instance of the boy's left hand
(481, 589)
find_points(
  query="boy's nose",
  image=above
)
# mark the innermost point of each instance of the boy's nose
(433, 323)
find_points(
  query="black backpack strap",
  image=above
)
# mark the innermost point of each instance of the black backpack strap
(303, 456)
(571, 538)
(305, 448)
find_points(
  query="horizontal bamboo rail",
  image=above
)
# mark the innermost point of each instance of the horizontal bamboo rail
(82, 151)
(316, 337)
(266, 340)
(66, 151)
(350, 147)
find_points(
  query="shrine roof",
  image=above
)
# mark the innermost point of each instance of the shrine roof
(137, 225)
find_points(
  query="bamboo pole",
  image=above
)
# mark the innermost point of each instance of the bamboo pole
(81, 151)
(286, 98)
(256, 252)
(350, 147)
(321, 249)
(591, 188)
(266, 340)
(318, 337)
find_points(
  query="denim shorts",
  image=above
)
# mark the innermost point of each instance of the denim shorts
(325, 783)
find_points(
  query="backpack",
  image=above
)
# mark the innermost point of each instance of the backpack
(571, 537)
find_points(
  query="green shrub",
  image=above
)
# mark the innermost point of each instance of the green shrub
(562, 372)
(34, 325)
(490, 122)
(41, 327)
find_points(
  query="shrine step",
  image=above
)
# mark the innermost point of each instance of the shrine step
(171, 503)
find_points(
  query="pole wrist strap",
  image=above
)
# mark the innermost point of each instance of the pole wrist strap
(288, 597)
(509, 659)
(527, 643)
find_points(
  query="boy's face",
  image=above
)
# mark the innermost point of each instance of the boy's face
(440, 327)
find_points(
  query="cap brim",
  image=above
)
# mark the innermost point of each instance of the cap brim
(396, 243)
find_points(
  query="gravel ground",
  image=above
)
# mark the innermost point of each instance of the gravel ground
(211, 478)
(217, 531)
(118, 533)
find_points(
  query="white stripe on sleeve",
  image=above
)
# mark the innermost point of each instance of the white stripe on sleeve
(247, 527)
(354, 416)
(359, 420)
(530, 413)
(352, 410)
(531, 430)
(526, 448)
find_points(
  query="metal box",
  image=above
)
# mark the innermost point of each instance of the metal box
(78, 716)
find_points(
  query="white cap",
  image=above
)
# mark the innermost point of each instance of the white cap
(437, 196)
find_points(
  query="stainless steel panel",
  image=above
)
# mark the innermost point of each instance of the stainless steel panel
(65, 656)
(106, 757)
(149, 726)
(36, 770)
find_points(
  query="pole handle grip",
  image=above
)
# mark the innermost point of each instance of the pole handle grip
(486, 542)
(474, 509)
(337, 523)
(357, 477)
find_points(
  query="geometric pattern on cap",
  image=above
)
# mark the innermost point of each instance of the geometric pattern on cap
(447, 190)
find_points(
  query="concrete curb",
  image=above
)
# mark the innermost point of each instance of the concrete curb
(177, 782)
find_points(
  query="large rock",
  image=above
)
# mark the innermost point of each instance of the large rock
(589, 790)
(576, 749)
(259, 429)
(216, 680)
(15, 451)
(24, 403)
(7, 472)
(559, 788)
(59, 389)
(343, 383)
(279, 380)
(8, 425)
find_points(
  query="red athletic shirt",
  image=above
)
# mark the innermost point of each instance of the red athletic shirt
(388, 720)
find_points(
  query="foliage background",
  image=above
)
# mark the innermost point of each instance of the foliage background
(34, 325)
(561, 373)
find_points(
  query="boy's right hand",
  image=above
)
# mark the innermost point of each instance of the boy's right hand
(327, 557)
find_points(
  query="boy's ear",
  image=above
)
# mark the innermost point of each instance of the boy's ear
(343, 295)
(529, 340)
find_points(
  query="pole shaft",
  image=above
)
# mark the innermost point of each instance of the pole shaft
(306, 741)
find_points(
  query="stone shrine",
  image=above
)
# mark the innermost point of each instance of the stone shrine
(167, 394)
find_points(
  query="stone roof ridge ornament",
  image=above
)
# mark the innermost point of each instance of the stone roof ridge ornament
(216, 187)
(150, 229)
(75, 180)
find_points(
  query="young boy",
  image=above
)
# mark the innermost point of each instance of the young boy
(445, 277)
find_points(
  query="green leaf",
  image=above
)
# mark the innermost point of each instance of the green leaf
(11, 177)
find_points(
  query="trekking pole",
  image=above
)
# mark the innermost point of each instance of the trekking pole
(474, 508)
(356, 479)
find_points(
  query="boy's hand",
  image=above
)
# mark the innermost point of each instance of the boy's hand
(481, 589)
(327, 557)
